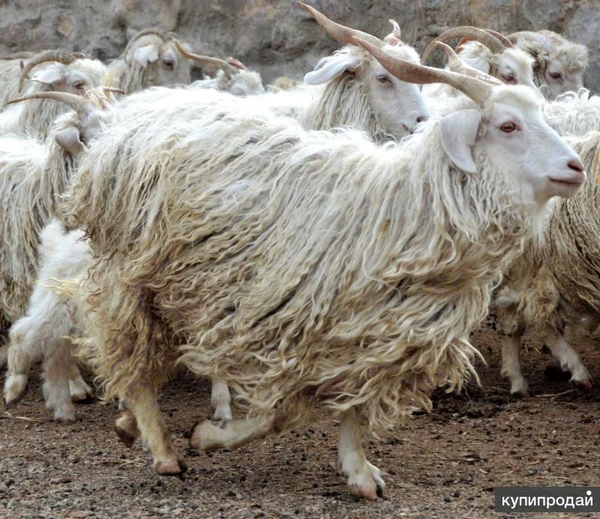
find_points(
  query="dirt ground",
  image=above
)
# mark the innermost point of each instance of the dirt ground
(444, 464)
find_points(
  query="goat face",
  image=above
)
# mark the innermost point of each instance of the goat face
(398, 106)
(74, 78)
(162, 63)
(513, 135)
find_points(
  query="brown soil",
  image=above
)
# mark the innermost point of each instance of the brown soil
(444, 464)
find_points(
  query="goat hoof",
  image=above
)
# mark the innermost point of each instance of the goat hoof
(170, 467)
(64, 416)
(522, 394)
(583, 385)
(126, 437)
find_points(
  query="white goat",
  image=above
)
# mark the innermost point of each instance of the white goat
(304, 267)
(151, 58)
(351, 106)
(486, 51)
(559, 64)
(33, 175)
(66, 72)
(549, 287)
(44, 330)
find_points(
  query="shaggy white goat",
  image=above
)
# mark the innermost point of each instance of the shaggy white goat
(559, 64)
(303, 267)
(233, 77)
(44, 330)
(66, 72)
(549, 287)
(33, 174)
(151, 58)
(352, 107)
(486, 51)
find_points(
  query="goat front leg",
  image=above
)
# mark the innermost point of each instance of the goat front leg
(78, 388)
(229, 434)
(220, 400)
(57, 367)
(143, 406)
(27, 345)
(511, 365)
(364, 479)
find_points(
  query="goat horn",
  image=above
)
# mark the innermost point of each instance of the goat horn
(505, 41)
(396, 32)
(339, 32)
(223, 65)
(61, 56)
(473, 33)
(74, 101)
(112, 90)
(18, 55)
(165, 35)
(458, 65)
(476, 89)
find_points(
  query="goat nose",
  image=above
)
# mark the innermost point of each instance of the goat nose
(422, 118)
(576, 165)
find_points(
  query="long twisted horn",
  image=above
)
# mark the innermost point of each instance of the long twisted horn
(458, 65)
(74, 101)
(505, 41)
(339, 32)
(476, 89)
(61, 56)
(112, 90)
(26, 54)
(473, 33)
(206, 60)
(165, 35)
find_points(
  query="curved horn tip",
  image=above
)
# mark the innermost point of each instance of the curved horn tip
(396, 28)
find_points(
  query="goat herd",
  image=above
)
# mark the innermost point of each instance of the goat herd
(332, 243)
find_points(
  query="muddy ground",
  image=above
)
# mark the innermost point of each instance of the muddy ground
(445, 464)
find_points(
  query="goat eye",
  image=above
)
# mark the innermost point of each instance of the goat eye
(555, 75)
(510, 79)
(168, 64)
(78, 85)
(508, 127)
(383, 79)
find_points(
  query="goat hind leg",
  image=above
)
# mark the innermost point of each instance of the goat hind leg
(145, 411)
(511, 365)
(220, 400)
(229, 434)
(364, 479)
(57, 368)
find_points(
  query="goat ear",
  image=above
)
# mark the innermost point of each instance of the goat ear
(459, 131)
(69, 140)
(146, 54)
(49, 76)
(332, 67)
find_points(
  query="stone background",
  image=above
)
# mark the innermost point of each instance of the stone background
(277, 37)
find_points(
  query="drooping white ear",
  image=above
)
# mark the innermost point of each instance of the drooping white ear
(146, 54)
(459, 131)
(331, 67)
(49, 76)
(70, 141)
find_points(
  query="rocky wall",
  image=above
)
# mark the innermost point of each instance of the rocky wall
(277, 37)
